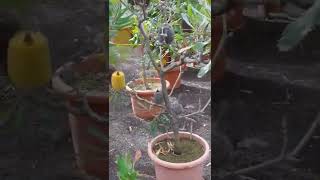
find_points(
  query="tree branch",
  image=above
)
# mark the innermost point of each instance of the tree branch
(306, 137)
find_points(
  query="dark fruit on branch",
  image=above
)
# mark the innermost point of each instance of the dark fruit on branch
(138, 2)
(166, 34)
(158, 97)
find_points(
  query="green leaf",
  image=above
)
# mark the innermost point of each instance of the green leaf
(185, 49)
(153, 128)
(113, 55)
(186, 19)
(204, 70)
(125, 169)
(297, 30)
(199, 46)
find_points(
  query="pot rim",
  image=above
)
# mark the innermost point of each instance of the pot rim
(170, 165)
(59, 85)
(145, 91)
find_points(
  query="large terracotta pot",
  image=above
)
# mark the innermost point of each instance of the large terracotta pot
(272, 7)
(217, 72)
(179, 171)
(93, 162)
(235, 18)
(140, 108)
(89, 150)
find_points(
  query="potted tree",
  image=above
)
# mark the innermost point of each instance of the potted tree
(190, 150)
(84, 85)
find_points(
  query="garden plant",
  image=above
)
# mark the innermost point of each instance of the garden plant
(158, 27)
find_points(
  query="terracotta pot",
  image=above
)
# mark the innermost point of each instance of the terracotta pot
(123, 36)
(79, 123)
(172, 77)
(89, 150)
(272, 7)
(140, 108)
(138, 51)
(179, 171)
(217, 72)
(235, 18)
(217, 32)
(97, 100)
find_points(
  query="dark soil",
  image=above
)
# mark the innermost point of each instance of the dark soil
(189, 150)
(90, 81)
(151, 86)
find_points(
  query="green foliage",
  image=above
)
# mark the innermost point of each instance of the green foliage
(159, 124)
(297, 30)
(125, 168)
(198, 17)
(119, 18)
(204, 70)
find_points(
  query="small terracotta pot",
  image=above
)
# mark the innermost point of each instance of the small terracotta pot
(140, 108)
(139, 50)
(123, 36)
(179, 171)
(172, 77)
(93, 162)
(217, 32)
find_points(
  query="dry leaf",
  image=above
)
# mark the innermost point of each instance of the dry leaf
(158, 152)
(137, 156)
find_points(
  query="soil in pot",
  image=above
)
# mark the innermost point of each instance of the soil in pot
(89, 81)
(142, 87)
(189, 150)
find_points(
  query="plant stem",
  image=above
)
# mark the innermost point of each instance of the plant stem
(173, 121)
(144, 76)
